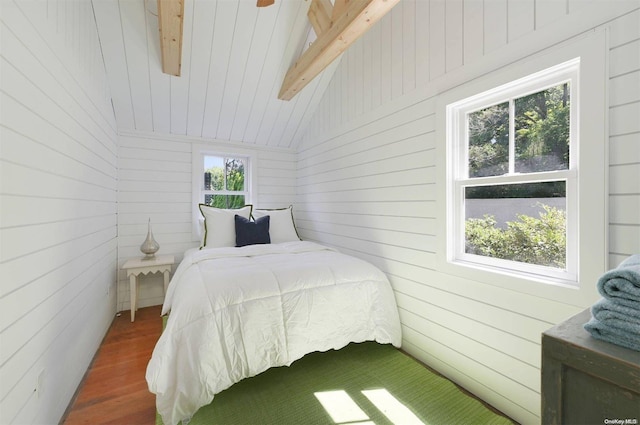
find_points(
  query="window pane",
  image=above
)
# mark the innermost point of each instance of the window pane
(520, 222)
(542, 130)
(213, 173)
(489, 141)
(235, 174)
(224, 201)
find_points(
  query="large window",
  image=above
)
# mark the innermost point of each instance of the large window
(521, 174)
(514, 175)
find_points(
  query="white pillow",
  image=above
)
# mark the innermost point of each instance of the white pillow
(220, 226)
(281, 226)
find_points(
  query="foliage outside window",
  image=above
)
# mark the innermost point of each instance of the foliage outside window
(224, 182)
(514, 183)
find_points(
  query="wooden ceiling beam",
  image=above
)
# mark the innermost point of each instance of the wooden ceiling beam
(320, 15)
(356, 18)
(339, 7)
(170, 21)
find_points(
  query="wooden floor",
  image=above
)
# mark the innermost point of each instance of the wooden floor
(114, 390)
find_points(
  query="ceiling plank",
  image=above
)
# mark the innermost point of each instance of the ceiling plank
(170, 22)
(320, 15)
(357, 17)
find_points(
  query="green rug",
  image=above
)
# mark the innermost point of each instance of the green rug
(287, 395)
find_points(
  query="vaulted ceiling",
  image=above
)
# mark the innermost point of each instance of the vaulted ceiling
(234, 60)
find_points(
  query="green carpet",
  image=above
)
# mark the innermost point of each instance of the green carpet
(285, 395)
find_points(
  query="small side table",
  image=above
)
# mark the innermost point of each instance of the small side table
(137, 266)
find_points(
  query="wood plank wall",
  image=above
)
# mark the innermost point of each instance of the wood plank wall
(624, 138)
(58, 186)
(366, 175)
(154, 181)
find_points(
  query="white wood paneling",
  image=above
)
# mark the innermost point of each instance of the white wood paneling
(275, 112)
(365, 181)
(409, 45)
(161, 83)
(625, 58)
(495, 23)
(199, 64)
(243, 36)
(454, 35)
(626, 30)
(473, 29)
(624, 149)
(437, 38)
(385, 65)
(234, 58)
(358, 69)
(224, 24)
(397, 33)
(179, 86)
(107, 15)
(133, 16)
(521, 18)
(258, 60)
(548, 11)
(625, 88)
(422, 45)
(58, 184)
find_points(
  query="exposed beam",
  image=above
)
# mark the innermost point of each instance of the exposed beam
(357, 17)
(339, 7)
(264, 3)
(320, 15)
(170, 19)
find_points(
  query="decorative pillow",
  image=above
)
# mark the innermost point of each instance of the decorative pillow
(252, 232)
(219, 225)
(281, 227)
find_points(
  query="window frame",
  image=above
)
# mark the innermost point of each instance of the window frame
(199, 152)
(204, 192)
(591, 154)
(458, 137)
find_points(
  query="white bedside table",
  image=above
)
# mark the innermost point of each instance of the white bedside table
(137, 266)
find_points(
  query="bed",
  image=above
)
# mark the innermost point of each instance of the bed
(238, 311)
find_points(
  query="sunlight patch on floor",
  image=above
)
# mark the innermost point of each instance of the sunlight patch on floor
(395, 411)
(344, 410)
(341, 407)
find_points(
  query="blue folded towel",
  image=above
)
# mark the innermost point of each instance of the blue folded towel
(619, 316)
(599, 330)
(622, 284)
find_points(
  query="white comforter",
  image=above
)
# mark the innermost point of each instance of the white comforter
(235, 312)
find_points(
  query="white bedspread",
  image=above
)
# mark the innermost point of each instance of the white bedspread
(235, 312)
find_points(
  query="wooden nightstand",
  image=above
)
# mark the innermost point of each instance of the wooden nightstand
(137, 266)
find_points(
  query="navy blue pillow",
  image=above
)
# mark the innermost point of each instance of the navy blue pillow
(252, 232)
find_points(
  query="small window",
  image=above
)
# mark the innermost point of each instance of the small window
(224, 182)
(514, 183)
(220, 177)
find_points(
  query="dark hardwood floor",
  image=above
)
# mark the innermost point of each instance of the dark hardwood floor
(114, 390)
